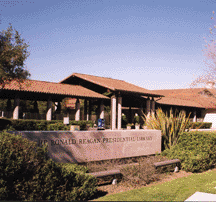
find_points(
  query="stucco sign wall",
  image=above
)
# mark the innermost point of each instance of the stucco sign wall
(83, 146)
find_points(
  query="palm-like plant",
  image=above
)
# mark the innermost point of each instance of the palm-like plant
(171, 126)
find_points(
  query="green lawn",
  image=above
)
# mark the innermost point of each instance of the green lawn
(175, 190)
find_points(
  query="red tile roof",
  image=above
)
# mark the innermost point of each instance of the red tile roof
(193, 97)
(53, 88)
(112, 84)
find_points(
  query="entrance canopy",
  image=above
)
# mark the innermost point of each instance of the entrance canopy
(102, 84)
(120, 92)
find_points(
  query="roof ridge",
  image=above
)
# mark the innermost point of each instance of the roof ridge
(99, 76)
(48, 82)
(114, 79)
(178, 89)
(38, 80)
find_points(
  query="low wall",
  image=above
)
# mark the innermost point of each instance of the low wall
(83, 146)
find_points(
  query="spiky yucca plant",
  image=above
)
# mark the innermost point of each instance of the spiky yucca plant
(171, 126)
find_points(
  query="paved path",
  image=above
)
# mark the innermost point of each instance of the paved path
(201, 196)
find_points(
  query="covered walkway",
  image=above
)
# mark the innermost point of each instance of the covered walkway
(50, 92)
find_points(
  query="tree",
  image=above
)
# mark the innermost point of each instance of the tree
(210, 57)
(13, 53)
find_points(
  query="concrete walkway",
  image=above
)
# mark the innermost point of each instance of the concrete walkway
(201, 196)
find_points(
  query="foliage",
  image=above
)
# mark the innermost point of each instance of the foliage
(171, 126)
(28, 174)
(136, 119)
(60, 126)
(199, 125)
(74, 167)
(27, 125)
(124, 121)
(57, 126)
(144, 173)
(13, 53)
(196, 150)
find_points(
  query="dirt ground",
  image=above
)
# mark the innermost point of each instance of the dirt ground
(122, 187)
(123, 184)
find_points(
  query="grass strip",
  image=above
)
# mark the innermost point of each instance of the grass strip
(175, 190)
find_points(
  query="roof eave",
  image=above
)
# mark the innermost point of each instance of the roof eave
(140, 93)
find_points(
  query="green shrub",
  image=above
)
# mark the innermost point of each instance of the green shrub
(196, 150)
(34, 125)
(57, 126)
(26, 173)
(74, 167)
(27, 125)
(136, 119)
(124, 121)
(42, 125)
(199, 125)
(61, 126)
(83, 124)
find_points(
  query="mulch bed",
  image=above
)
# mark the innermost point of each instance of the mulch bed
(139, 172)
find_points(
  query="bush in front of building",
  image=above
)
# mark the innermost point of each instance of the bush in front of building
(27, 173)
(60, 126)
(20, 124)
(57, 126)
(124, 121)
(74, 167)
(196, 150)
(83, 124)
(199, 125)
(41, 125)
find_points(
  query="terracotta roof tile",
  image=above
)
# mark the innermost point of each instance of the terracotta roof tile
(53, 88)
(113, 84)
(178, 102)
(194, 97)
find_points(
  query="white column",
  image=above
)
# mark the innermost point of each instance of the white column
(113, 112)
(195, 117)
(2, 113)
(16, 108)
(119, 112)
(102, 110)
(148, 104)
(49, 110)
(152, 106)
(56, 106)
(77, 115)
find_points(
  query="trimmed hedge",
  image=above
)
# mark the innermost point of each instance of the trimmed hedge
(26, 173)
(199, 125)
(28, 125)
(196, 150)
